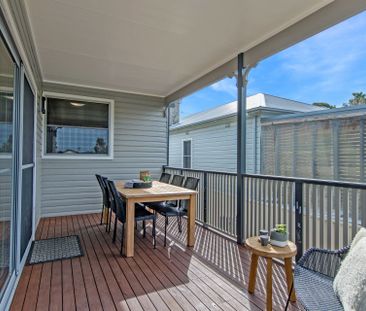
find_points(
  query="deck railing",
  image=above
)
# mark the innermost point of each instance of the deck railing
(318, 213)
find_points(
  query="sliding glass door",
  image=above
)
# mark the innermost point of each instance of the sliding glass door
(17, 165)
(7, 163)
(27, 160)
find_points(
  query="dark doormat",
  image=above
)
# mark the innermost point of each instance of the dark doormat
(46, 250)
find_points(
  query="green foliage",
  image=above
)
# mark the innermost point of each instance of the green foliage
(359, 98)
(147, 178)
(6, 147)
(324, 105)
(100, 146)
(281, 228)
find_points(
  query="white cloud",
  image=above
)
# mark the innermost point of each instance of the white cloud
(330, 56)
(226, 85)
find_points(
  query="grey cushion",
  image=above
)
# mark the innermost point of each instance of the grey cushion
(350, 281)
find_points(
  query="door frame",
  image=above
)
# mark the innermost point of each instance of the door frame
(20, 262)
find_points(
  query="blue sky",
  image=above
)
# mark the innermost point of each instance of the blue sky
(327, 67)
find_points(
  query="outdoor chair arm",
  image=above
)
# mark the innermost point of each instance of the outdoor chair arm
(323, 261)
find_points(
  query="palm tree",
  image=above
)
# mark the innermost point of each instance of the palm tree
(359, 98)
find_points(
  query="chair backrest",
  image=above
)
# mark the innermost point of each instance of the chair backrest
(165, 178)
(177, 180)
(111, 200)
(191, 183)
(103, 187)
(120, 206)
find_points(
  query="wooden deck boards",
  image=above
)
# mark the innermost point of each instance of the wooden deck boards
(211, 276)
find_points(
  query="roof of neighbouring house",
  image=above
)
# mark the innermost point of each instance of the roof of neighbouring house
(257, 101)
(327, 114)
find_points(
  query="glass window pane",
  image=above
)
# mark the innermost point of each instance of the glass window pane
(27, 209)
(7, 68)
(76, 140)
(77, 127)
(187, 147)
(28, 123)
(186, 162)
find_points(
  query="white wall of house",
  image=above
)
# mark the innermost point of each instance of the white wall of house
(214, 145)
(69, 186)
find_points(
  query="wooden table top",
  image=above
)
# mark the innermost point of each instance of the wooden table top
(158, 189)
(271, 251)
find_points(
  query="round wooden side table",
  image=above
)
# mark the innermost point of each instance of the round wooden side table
(269, 252)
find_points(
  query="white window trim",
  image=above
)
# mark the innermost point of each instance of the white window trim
(184, 140)
(98, 100)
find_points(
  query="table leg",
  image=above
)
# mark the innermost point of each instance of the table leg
(253, 273)
(269, 284)
(129, 242)
(191, 220)
(289, 278)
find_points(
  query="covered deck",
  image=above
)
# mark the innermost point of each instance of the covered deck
(211, 276)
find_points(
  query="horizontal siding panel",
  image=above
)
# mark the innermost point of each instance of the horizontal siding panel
(69, 185)
(214, 145)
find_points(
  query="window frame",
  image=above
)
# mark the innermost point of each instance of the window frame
(191, 155)
(102, 101)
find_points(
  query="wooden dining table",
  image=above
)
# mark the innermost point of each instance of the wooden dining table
(158, 192)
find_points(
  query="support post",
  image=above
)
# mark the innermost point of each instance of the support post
(241, 148)
(298, 219)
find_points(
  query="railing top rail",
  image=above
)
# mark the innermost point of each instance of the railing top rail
(200, 171)
(334, 183)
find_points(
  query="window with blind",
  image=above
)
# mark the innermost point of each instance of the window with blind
(187, 154)
(78, 128)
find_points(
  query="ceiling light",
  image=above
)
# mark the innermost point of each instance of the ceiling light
(77, 104)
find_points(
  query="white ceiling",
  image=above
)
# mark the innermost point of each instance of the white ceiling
(151, 47)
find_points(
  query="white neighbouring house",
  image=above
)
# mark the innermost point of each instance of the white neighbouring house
(208, 140)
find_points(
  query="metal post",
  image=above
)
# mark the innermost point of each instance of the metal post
(241, 148)
(205, 198)
(298, 219)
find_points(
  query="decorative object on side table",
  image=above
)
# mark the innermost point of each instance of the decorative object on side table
(263, 232)
(279, 236)
(264, 240)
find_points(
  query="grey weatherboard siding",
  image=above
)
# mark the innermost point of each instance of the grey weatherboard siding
(68, 186)
(214, 145)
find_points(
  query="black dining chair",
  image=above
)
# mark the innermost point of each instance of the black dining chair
(176, 181)
(178, 209)
(105, 202)
(141, 214)
(165, 177)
